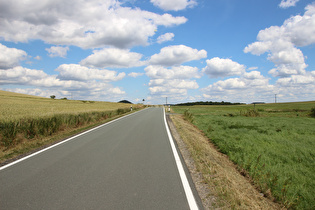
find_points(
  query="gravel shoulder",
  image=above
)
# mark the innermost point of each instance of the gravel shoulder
(201, 187)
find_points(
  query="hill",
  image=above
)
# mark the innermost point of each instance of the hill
(15, 106)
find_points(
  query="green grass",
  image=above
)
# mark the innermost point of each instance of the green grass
(275, 146)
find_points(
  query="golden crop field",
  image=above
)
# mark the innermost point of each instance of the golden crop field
(29, 122)
(15, 106)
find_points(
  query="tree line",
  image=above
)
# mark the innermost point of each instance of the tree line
(207, 103)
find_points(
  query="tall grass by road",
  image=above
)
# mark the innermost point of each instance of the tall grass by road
(14, 132)
(26, 120)
(275, 146)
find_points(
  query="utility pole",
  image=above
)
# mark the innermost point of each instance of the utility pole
(166, 101)
(275, 98)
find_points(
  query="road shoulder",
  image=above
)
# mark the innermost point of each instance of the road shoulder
(218, 182)
(201, 187)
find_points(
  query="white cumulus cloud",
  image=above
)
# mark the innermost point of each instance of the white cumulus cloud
(113, 57)
(175, 5)
(288, 3)
(21, 75)
(298, 80)
(176, 55)
(282, 42)
(249, 87)
(91, 84)
(85, 23)
(135, 74)
(220, 67)
(173, 82)
(81, 73)
(10, 57)
(165, 37)
(176, 72)
(37, 57)
(297, 87)
(57, 51)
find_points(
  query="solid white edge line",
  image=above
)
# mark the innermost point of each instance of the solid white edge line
(189, 194)
(64, 141)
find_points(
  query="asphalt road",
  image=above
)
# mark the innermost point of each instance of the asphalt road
(126, 164)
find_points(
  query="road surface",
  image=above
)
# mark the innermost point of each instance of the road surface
(125, 164)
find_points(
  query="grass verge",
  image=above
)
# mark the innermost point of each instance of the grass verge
(230, 189)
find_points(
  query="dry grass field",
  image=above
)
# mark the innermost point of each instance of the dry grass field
(15, 106)
(29, 122)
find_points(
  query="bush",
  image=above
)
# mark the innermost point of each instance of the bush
(312, 112)
(188, 116)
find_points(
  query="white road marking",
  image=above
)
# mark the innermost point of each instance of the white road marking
(189, 194)
(69, 139)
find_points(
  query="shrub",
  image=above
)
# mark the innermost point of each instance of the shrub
(188, 116)
(312, 112)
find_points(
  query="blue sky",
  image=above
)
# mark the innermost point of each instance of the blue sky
(186, 50)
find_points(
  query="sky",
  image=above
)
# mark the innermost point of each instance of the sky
(183, 50)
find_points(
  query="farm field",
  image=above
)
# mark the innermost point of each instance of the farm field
(15, 106)
(28, 122)
(274, 145)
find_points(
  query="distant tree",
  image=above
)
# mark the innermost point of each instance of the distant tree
(207, 103)
(52, 96)
(125, 101)
(64, 98)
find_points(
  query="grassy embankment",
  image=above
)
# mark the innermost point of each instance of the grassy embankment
(273, 145)
(28, 122)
